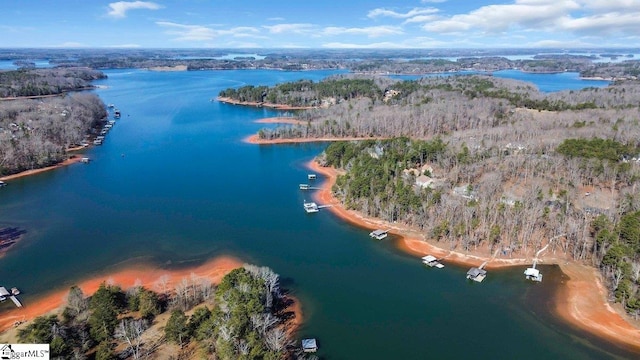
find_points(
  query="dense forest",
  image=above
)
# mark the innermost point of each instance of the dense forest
(37, 82)
(36, 133)
(244, 317)
(487, 164)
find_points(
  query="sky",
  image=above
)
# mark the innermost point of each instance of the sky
(320, 24)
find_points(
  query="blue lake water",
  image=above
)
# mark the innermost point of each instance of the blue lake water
(9, 65)
(174, 184)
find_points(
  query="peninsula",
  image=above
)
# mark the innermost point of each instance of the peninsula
(143, 324)
(495, 171)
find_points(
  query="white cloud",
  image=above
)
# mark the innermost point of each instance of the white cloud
(604, 24)
(420, 19)
(432, 1)
(538, 14)
(611, 5)
(372, 31)
(381, 45)
(380, 12)
(183, 32)
(289, 28)
(412, 43)
(119, 9)
(69, 44)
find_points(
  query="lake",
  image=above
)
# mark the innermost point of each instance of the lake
(174, 185)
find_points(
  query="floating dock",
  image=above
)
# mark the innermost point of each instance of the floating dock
(477, 274)
(11, 295)
(308, 187)
(379, 234)
(309, 345)
(431, 261)
(311, 176)
(533, 274)
(310, 207)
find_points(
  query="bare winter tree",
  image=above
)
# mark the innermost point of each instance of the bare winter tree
(130, 331)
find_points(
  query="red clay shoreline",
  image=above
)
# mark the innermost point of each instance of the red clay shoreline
(581, 302)
(254, 139)
(227, 100)
(72, 160)
(280, 120)
(145, 275)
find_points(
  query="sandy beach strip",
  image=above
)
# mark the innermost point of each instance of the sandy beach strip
(144, 275)
(69, 161)
(581, 302)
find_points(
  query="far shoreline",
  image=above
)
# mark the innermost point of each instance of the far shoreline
(581, 302)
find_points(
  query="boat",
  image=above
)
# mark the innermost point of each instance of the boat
(379, 234)
(533, 274)
(85, 160)
(431, 261)
(310, 207)
(116, 114)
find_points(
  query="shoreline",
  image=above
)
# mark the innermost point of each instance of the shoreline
(227, 100)
(253, 139)
(150, 277)
(63, 93)
(71, 160)
(145, 275)
(581, 302)
(280, 120)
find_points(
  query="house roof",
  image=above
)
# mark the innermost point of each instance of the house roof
(423, 179)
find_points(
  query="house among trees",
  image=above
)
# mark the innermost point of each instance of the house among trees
(424, 181)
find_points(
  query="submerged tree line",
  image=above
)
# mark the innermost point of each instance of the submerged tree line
(477, 162)
(244, 317)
